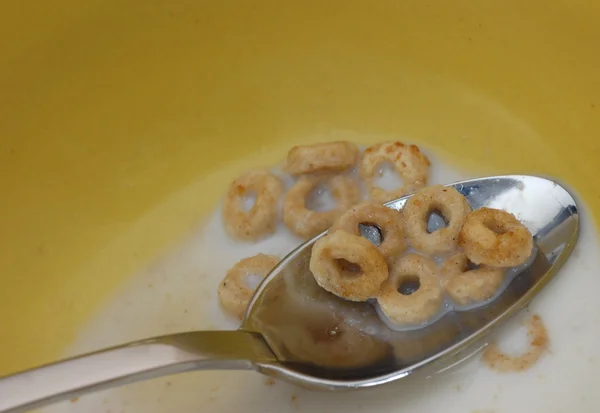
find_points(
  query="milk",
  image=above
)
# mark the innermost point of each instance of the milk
(178, 293)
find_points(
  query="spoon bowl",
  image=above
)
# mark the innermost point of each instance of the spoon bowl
(323, 341)
(298, 332)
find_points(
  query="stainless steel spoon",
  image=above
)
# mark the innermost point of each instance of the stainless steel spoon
(296, 331)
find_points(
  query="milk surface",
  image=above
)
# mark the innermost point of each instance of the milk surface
(178, 293)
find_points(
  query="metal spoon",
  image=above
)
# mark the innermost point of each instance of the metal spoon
(296, 331)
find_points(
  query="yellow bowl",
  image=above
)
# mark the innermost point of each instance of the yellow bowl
(123, 121)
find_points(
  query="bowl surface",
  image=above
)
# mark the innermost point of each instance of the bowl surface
(124, 121)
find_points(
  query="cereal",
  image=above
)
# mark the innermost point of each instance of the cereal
(495, 238)
(409, 288)
(495, 359)
(234, 295)
(452, 205)
(261, 219)
(306, 222)
(348, 266)
(322, 157)
(388, 221)
(337, 346)
(416, 307)
(466, 286)
(332, 343)
(412, 166)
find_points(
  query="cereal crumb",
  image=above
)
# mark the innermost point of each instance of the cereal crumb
(270, 381)
(294, 398)
(74, 399)
(495, 359)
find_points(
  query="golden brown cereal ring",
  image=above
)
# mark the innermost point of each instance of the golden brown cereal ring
(322, 157)
(538, 344)
(306, 222)
(261, 220)
(422, 304)
(496, 238)
(466, 286)
(447, 201)
(348, 266)
(387, 220)
(412, 166)
(234, 295)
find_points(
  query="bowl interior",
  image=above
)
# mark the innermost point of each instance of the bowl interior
(123, 121)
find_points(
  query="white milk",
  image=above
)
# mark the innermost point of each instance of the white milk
(178, 293)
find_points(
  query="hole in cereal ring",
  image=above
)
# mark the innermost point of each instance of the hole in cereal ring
(371, 232)
(435, 221)
(347, 267)
(248, 200)
(492, 224)
(320, 199)
(251, 281)
(387, 177)
(409, 285)
(471, 266)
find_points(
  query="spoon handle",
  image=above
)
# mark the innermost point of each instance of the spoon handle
(132, 362)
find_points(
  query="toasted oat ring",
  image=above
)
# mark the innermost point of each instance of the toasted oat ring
(306, 222)
(412, 166)
(348, 266)
(261, 220)
(445, 200)
(466, 286)
(538, 344)
(496, 238)
(387, 220)
(422, 304)
(322, 157)
(233, 293)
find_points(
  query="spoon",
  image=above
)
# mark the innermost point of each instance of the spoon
(295, 331)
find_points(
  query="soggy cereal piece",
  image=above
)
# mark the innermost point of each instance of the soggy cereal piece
(306, 222)
(336, 346)
(388, 221)
(323, 336)
(234, 295)
(406, 306)
(495, 359)
(348, 266)
(412, 166)
(448, 202)
(329, 342)
(261, 219)
(327, 157)
(466, 285)
(496, 238)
